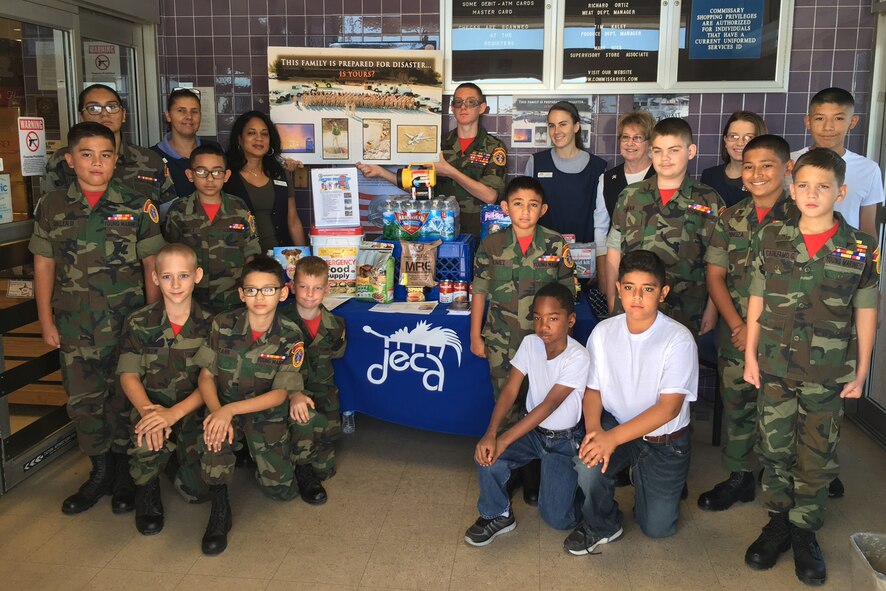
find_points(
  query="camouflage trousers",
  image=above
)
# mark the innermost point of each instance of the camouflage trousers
(145, 464)
(317, 437)
(799, 425)
(305, 438)
(269, 444)
(499, 369)
(97, 406)
(740, 414)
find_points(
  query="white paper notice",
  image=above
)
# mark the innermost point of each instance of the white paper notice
(45, 51)
(336, 201)
(32, 145)
(207, 107)
(5, 199)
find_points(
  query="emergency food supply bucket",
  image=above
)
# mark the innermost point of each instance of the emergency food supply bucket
(868, 561)
(338, 247)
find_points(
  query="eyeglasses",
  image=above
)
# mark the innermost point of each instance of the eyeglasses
(734, 137)
(191, 90)
(637, 139)
(216, 173)
(470, 103)
(96, 109)
(251, 292)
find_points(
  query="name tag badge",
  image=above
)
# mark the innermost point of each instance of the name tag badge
(279, 183)
(269, 359)
(545, 175)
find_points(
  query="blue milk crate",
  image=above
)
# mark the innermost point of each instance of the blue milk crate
(455, 262)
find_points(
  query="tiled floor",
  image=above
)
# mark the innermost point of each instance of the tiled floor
(397, 511)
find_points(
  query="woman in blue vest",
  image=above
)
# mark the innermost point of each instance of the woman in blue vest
(258, 177)
(741, 127)
(569, 175)
(633, 130)
(183, 116)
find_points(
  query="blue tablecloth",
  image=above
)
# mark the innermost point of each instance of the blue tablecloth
(418, 370)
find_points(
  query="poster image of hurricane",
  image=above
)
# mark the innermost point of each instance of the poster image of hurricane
(354, 92)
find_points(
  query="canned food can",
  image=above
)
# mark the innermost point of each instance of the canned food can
(446, 289)
(460, 291)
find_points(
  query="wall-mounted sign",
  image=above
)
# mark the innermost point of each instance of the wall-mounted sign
(726, 29)
(611, 41)
(339, 106)
(498, 40)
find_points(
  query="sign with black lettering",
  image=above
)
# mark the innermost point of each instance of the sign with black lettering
(611, 41)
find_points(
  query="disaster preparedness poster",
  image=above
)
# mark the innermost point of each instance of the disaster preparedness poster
(340, 106)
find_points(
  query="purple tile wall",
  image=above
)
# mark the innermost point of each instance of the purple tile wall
(223, 43)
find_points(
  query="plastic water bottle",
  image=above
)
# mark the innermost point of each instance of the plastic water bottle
(348, 424)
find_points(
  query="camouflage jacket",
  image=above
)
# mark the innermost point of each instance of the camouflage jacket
(509, 279)
(678, 232)
(244, 369)
(162, 360)
(486, 161)
(98, 278)
(806, 329)
(328, 344)
(222, 246)
(730, 248)
(140, 169)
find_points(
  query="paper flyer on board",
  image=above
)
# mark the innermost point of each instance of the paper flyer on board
(336, 198)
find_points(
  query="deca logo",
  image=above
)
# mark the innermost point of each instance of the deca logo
(420, 350)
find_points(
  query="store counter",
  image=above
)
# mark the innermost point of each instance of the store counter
(418, 370)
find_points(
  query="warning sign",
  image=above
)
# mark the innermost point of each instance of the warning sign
(101, 61)
(32, 145)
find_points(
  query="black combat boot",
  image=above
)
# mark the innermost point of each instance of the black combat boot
(149, 508)
(836, 489)
(740, 486)
(808, 561)
(531, 482)
(309, 487)
(775, 540)
(215, 540)
(123, 500)
(99, 483)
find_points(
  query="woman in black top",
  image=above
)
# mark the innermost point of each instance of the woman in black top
(634, 130)
(741, 127)
(258, 177)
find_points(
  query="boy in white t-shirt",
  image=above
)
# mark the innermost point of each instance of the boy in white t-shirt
(557, 367)
(831, 116)
(643, 375)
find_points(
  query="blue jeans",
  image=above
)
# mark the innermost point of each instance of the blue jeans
(658, 471)
(556, 495)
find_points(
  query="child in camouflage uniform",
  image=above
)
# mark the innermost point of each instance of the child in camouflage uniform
(158, 375)
(325, 336)
(217, 225)
(766, 161)
(813, 282)
(509, 268)
(673, 216)
(250, 366)
(88, 240)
